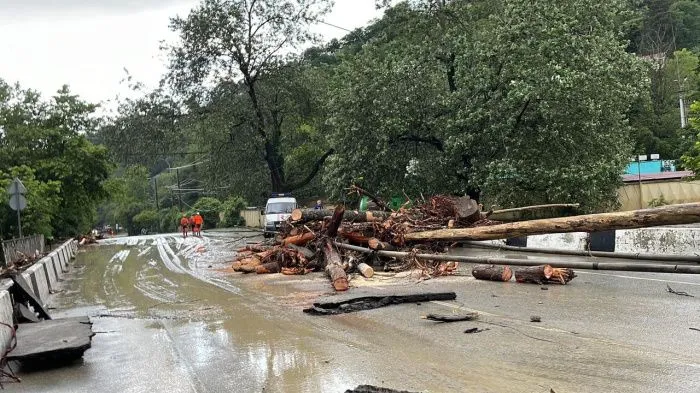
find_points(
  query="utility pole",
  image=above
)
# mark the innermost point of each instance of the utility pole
(684, 119)
(155, 187)
(179, 190)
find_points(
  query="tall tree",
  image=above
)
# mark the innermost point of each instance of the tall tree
(223, 42)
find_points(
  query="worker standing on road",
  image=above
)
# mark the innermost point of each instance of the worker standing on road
(191, 223)
(184, 223)
(319, 205)
(198, 222)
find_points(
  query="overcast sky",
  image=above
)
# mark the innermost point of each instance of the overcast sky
(87, 44)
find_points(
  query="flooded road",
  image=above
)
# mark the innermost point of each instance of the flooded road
(171, 317)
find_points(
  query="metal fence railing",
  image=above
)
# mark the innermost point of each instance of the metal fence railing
(16, 249)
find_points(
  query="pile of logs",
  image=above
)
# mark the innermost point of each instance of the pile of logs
(341, 241)
(309, 240)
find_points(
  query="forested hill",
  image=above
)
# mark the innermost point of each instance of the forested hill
(513, 102)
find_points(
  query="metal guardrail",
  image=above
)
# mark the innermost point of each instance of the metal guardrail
(15, 249)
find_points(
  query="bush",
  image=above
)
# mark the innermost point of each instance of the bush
(209, 208)
(148, 220)
(232, 212)
(170, 220)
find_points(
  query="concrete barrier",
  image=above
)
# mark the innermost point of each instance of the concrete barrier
(36, 278)
(5, 313)
(56, 265)
(62, 260)
(562, 241)
(51, 277)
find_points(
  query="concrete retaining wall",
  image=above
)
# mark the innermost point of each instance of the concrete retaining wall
(657, 240)
(43, 277)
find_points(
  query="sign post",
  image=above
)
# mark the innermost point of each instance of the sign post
(17, 200)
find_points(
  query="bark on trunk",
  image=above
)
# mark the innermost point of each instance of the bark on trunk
(492, 272)
(354, 237)
(299, 240)
(534, 274)
(306, 215)
(334, 267)
(667, 215)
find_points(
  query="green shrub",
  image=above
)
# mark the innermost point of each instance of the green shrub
(170, 220)
(147, 220)
(209, 208)
(232, 212)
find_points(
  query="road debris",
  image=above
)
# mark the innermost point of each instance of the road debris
(680, 293)
(470, 316)
(374, 389)
(535, 318)
(367, 299)
(475, 330)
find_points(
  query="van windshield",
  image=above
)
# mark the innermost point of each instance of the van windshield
(279, 207)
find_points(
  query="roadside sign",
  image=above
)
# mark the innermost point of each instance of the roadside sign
(16, 187)
(18, 202)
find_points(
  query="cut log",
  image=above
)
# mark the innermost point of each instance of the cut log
(336, 220)
(354, 237)
(536, 212)
(492, 272)
(365, 269)
(268, 268)
(561, 276)
(334, 267)
(470, 316)
(376, 244)
(299, 240)
(688, 213)
(306, 215)
(534, 274)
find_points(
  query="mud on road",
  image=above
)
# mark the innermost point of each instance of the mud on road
(172, 317)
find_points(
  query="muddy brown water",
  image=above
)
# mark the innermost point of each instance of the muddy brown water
(169, 318)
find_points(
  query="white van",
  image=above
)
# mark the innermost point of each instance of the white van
(277, 209)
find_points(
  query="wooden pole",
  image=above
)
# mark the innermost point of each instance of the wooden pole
(617, 266)
(666, 215)
(305, 215)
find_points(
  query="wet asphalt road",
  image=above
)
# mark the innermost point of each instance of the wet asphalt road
(170, 317)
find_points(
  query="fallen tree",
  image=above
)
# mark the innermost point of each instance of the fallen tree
(630, 267)
(688, 213)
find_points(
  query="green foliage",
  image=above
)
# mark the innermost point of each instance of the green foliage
(170, 220)
(209, 208)
(232, 212)
(148, 219)
(691, 160)
(521, 102)
(657, 202)
(48, 140)
(43, 200)
(240, 47)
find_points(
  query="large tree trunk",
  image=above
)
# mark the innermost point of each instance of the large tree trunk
(492, 272)
(534, 274)
(667, 215)
(334, 267)
(306, 215)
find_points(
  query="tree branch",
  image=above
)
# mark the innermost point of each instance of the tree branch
(430, 140)
(317, 166)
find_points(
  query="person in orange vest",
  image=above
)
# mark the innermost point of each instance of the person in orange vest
(198, 222)
(184, 223)
(191, 223)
